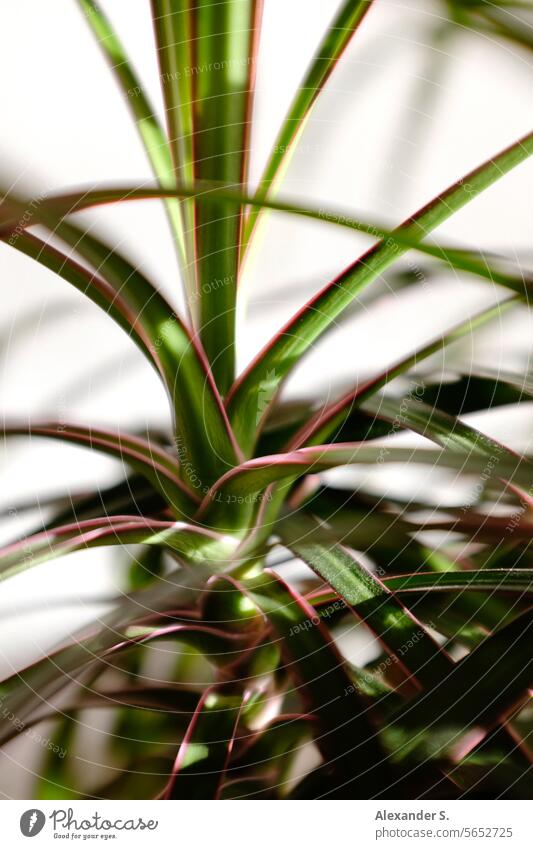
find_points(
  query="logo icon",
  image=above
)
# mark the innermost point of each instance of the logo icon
(32, 822)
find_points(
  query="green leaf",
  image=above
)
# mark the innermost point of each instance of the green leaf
(132, 496)
(514, 581)
(521, 383)
(326, 421)
(142, 455)
(336, 39)
(202, 759)
(453, 434)
(27, 689)
(482, 687)
(374, 602)
(194, 543)
(173, 34)
(262, 379)
(490, 580)
(243, 484)
(92, 286)
(347, 740)
(150, 131)
(280, 740)
(321, 426)
(222, 74)
(207, 443)
(209, 191)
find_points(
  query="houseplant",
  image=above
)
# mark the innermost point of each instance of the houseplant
(262, 703)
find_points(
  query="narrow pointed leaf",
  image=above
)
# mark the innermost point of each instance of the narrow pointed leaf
(207, 191)
(336, 39)
(324, 422)
(482, 688)
(453, 434)
(254, 476)
(225, 35)
(93, 287)
(191, 541)
(490, 580)
(27, 689)
(150, 131)
(200, 416)
(144, 456)
(264, 376)
(375, 603)
(515, 581)
(203, 756)
(347, 740)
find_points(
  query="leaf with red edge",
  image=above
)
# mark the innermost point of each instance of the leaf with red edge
(192, 542)
(482, 689)
(202, 759)
(263, 378)
(143, 455)
(346, 737)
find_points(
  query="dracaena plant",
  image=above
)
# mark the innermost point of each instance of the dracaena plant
(259, 699)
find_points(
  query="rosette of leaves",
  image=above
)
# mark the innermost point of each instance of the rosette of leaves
(259, 697)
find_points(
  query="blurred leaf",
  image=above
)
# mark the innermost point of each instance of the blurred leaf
(321, 426)
(201, 420)
(202, 758)
(455, 435)
(22, 693)
(193, 542)
(482, 687)
(142, 455)
(211, 191)
(241, 487)
(347, 740)
(375, 604)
